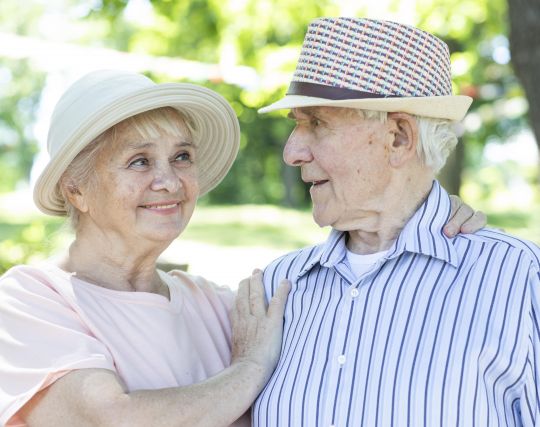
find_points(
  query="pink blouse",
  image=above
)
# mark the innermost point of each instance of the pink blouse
(51, 322)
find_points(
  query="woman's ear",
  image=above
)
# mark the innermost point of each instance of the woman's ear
(405, 131)
(75, 196)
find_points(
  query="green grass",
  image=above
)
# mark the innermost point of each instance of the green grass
(254, 225)
(32, 230)
(521, 224)
(27, 236)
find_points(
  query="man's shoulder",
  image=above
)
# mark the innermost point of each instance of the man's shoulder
(529, 249)
(292, 263)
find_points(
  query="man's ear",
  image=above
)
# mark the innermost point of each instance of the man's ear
(405, 131)
(74, 195)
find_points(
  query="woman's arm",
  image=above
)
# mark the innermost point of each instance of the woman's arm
(95, 397)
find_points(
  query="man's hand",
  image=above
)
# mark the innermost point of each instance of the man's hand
(463, 218)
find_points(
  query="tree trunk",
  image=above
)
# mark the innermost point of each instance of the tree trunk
(525, 49)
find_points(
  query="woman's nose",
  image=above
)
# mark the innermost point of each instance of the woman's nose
(166, 178)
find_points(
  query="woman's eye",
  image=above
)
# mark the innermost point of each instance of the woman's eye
(183, 157)
(315, 122)
(139, 162)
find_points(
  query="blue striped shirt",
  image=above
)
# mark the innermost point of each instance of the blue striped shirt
(440, 332)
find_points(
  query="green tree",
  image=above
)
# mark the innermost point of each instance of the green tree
(267, 35)
(20, 90)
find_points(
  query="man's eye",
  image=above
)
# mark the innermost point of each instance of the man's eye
(315, 122)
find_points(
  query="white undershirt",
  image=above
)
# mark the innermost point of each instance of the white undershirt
(361, 263)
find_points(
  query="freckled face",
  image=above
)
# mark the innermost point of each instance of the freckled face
(344, 157)
(146, 189)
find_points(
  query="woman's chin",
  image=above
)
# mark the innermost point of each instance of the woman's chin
(164, 233)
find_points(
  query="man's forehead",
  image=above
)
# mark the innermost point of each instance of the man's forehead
(312, 111)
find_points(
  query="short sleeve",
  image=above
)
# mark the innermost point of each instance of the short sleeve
(41, 337)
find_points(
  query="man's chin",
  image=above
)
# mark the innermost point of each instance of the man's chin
(337, 222)
(321, 220)
(340, 224)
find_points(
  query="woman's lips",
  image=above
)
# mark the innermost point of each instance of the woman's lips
(165, 208)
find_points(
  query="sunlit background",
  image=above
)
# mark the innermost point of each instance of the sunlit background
(246, 50)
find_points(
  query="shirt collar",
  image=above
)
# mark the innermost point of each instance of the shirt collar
(422, 234)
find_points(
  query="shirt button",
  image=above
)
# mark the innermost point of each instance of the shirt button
(354, 293)
(341, 359)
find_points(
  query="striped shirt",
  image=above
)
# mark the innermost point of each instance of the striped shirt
(439, 332)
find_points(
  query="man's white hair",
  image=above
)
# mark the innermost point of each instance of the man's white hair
(436, 138)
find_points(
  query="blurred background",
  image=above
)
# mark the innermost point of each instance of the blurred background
(246, 50)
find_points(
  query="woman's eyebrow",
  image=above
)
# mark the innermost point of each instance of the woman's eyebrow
(143, 145)
(139, 146)
(186, 143)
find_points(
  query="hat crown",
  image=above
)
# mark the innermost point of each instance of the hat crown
(384, 58)
(88, 96)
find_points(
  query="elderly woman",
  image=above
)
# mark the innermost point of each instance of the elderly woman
(101, 337)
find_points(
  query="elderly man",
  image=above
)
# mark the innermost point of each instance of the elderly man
(390, 322)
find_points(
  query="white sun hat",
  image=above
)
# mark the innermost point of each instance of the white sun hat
(101, 99)
(373, 65)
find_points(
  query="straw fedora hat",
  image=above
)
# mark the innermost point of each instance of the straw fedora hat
(101, 99)
(374, 65)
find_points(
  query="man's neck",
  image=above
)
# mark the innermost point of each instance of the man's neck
(381, 227)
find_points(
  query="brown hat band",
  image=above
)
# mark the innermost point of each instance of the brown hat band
(331, 92)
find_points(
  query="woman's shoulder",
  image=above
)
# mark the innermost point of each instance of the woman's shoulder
(39, 271)
(43, 278)
(197, 287)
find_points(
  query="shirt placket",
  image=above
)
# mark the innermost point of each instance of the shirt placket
(340, 360)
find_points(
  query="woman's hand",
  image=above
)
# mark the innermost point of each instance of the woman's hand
(257, 331)
(463, 218)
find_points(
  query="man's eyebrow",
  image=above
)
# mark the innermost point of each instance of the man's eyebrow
(306, 111)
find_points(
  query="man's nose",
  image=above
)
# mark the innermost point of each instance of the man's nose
(297, 151)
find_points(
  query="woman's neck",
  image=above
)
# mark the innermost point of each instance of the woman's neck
(113, 264)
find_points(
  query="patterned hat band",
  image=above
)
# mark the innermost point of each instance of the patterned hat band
(373, 64)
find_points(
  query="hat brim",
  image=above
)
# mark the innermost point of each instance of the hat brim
(444, 107)
(218, 135)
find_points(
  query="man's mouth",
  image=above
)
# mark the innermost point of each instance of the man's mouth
(318, 183)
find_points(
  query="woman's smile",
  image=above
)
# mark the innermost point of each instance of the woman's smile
(163, 208)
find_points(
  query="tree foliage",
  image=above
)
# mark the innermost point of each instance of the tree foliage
(20, 90)
(266, 35)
